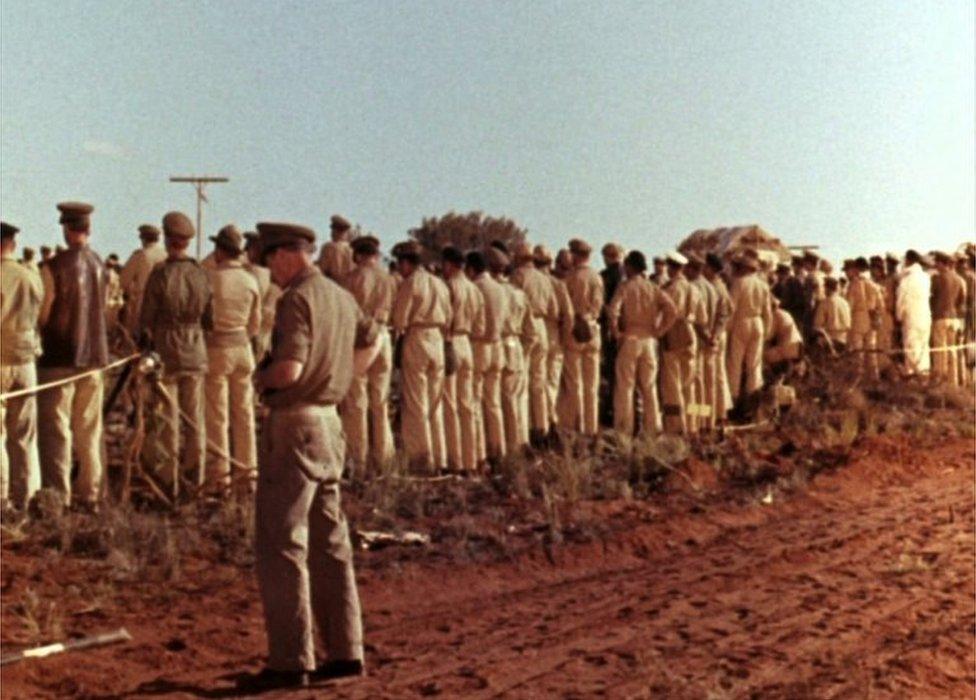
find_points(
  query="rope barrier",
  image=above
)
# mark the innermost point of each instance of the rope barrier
(68, 380)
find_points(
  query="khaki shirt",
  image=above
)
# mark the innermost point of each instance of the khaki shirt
(751, 299)
(784, 330)
(177, 308)
(270, 293)
(467, 305)
(833, 317)
(422, 301)
(563, 320)
(134, 276)
(518, 323)
(641, 309)
(585, 288)
(374, 290)
(236, 305)
(335, 260)
(538, 289)
(315, 325)
(948, 295)
(866, 302)
(21, 293)
(710, 306)
(496, 307)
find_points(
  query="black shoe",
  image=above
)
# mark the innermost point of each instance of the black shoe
(338, 668)
(268, 679)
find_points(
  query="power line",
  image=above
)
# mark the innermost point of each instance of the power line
(199, 182)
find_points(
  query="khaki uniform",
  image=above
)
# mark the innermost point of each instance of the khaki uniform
(785, 339)
(518, 330)
(833, 318)
(230, 363)
(304, 558)
(543, 308)
(752, 315)
(421, 315)
(73, 339)
(489, 359)
(270, 293)
(582, 360)
(679, 356)
(558, 326)
(176, 310)
(133, 280)
(367, 403)
(639, 313)
(706, 379)
(461, 405)
(335, 260)
(948, 308)
(722, 397)
(867, 307)
(21, 293)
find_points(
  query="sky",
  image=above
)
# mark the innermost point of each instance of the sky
(845, 125)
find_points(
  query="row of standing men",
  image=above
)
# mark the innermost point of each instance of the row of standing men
(496, 352)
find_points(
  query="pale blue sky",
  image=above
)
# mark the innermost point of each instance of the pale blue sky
(848, 124)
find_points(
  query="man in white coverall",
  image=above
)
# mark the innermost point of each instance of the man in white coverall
(914, 313)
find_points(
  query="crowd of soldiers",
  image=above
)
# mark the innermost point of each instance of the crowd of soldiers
(493, 351)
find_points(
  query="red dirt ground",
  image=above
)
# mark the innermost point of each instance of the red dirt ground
(861, 586)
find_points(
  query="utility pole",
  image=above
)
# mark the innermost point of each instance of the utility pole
(199, 182)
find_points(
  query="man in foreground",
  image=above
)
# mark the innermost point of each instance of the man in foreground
(303, 553)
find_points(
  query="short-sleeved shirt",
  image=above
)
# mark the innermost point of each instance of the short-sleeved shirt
(236, 305)
(21, 293)
(315, 324)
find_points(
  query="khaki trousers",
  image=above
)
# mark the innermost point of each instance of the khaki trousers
(723, 397)
(865, 340)
(365, 410)
(228, 386)
(184, 394)
(304, 559)
(582, 370)
(677, 388)
(460, 409)
(636, 367)
(71, 416)
(706, 385)
(554, 371)
(488, 361)
(537, 359)
(745, 356)
(514, 395)
(945, 364)
(423, 395)
(20, 467)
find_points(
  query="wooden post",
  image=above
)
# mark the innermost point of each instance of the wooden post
(199, 182)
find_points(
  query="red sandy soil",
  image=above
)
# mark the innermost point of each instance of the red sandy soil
(860, 586)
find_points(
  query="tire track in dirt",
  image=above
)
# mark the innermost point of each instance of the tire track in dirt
(801, 574)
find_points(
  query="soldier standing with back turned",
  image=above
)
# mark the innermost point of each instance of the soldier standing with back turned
(230, 359)
(176, 310)
(20, 303)
(74, 339)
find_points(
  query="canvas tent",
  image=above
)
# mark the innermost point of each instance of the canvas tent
(727, 240)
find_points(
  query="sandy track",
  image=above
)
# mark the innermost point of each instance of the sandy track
(862, 587)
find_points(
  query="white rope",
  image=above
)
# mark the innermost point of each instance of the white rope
(67, 380)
